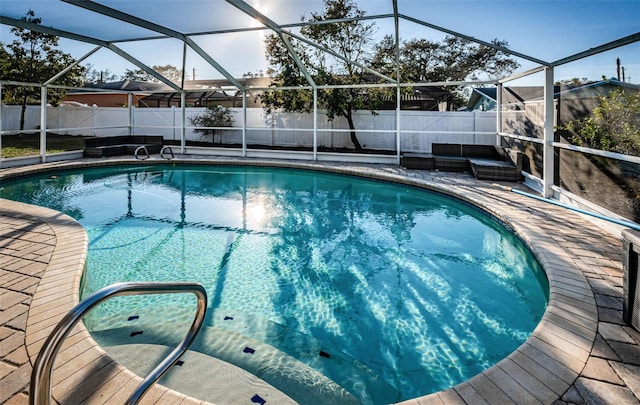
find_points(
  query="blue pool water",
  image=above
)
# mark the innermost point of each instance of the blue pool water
(412, 292)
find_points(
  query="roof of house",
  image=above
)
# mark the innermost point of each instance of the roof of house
(519, 94)
(124, 85)
(514, 94)
(154, 87)
(601, 87)
(211, 91)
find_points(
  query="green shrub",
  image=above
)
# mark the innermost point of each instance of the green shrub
(614, 125)
(208, 122)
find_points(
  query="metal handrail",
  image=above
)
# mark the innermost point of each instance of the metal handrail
(42, 370)
(144, 149)
(165, 149)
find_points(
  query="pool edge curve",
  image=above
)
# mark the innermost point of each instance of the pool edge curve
(560, 352)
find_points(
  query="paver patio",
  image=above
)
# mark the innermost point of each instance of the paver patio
(581, 352)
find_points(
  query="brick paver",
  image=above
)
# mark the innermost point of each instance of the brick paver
(15, 295)
(581, 353)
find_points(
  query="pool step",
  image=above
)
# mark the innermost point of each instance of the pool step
(348, 372)
(230, 327)
(200, 376)
(241, 356)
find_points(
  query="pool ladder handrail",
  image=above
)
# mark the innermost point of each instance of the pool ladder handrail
(143, 149)
(42, 370)
(167, 149)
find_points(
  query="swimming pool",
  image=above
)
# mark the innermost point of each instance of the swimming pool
(367, 271)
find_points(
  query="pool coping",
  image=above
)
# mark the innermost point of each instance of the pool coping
(541, 370)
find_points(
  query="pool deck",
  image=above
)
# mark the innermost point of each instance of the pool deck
(580, 353)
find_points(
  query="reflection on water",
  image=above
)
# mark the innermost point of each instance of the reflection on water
(418, 289)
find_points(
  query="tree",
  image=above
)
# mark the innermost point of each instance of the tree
(33, 58)
(421, 60)
(93, 76)
(351, 40)
(573, 82)
(614, 125)
(250, 74)
(215, 116)
(138, 75)
(452, 59)
(169, 71)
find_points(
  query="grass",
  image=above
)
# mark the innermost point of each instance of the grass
(29, 144)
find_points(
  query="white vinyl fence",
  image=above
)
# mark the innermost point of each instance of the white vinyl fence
(419, 129)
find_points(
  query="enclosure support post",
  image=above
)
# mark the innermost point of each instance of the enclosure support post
(130, 105)
(396, 24)
(398, 125)
(498, 114)
(59, 123)
(94, 119)
(43, 124)
(173, 122)
(0, 124)
(244, 123)
(315, 123)
(548, 168)
(183, 110)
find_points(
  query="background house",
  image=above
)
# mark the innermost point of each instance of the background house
(118, 97)
(422, 98)
(200, 93)
(572, 103)
(484, 98)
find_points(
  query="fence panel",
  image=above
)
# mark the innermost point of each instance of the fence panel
(419, 129)
(11, 117)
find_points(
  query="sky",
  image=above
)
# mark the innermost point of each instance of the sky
(546, 30)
